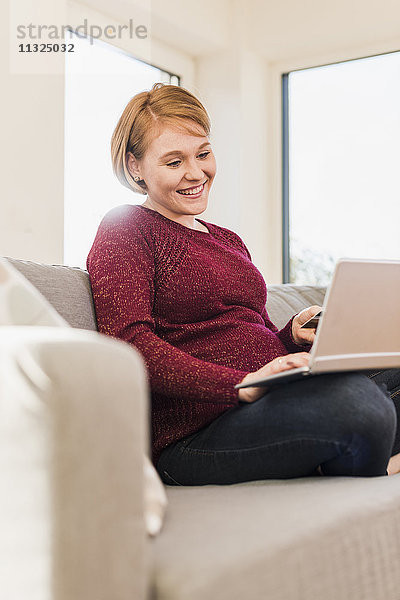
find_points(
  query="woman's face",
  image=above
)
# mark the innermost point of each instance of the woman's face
(175, 165)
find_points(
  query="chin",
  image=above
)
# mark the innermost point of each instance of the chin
(195, 207)
(200, 209)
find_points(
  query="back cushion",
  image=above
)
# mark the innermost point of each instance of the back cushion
(66, 288)
(285, 300)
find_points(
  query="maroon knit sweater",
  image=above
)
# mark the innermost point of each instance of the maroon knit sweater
(193, 304)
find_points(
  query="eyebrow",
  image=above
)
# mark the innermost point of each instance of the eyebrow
(175, 152)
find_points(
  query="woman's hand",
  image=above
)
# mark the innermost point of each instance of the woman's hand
(282, 363)
(304, 336)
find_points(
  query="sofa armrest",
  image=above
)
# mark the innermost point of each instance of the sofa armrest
(73, 432)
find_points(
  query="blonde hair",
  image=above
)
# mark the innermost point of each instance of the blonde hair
(142, 118)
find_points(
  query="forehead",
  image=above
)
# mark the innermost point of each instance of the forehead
(170, 137)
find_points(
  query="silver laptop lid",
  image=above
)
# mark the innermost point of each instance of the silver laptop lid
(360, 325)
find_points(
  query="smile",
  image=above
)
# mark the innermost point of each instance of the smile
(192, 191)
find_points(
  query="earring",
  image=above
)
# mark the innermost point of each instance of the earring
(140, 182)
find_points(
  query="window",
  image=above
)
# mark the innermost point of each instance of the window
(99, 81)
(341, 161)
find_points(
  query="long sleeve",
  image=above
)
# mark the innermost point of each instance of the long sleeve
(122, 274)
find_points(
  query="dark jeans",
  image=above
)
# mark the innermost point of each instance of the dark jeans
(344, 422)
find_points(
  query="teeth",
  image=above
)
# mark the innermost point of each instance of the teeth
(191, 192)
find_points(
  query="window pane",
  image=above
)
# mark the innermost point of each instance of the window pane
(99, 82)
(344, 131)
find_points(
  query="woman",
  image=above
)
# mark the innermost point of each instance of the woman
(185, 293)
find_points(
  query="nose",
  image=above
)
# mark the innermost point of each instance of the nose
(194, 172)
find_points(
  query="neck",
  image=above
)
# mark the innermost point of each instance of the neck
(186, 220)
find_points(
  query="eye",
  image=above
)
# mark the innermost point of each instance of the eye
(175, 163)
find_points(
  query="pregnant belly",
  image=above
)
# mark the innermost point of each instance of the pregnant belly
(242, 346)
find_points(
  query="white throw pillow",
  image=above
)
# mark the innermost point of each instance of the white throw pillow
(22, 304)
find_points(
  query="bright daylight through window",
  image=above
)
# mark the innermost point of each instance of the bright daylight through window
(99, 81)
(343, 189)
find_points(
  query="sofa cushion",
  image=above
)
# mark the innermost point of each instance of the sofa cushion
(21, 303)
(298, 539)
(285, 300)
(67, 289)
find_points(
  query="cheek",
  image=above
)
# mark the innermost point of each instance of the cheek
(172, 179)
(213, 166)
(165, 180)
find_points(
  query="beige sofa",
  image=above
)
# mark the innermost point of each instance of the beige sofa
(71, 503)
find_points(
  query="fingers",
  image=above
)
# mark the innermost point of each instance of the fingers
(290, 361)
(314, 309)
(308, 313)
(282, 363)
(304, 335)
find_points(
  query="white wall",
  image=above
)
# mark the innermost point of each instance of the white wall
(32, 126)
(234, 86)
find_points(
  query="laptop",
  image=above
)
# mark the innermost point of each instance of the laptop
(359, 328)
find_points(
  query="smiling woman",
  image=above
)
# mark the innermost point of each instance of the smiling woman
(187, 295)
(164, 148)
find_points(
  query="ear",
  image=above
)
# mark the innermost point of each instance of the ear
(132, 165)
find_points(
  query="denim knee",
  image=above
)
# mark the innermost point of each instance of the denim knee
(364, 417)
(368, 408)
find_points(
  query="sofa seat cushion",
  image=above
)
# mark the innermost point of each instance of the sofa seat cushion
(298, 539)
